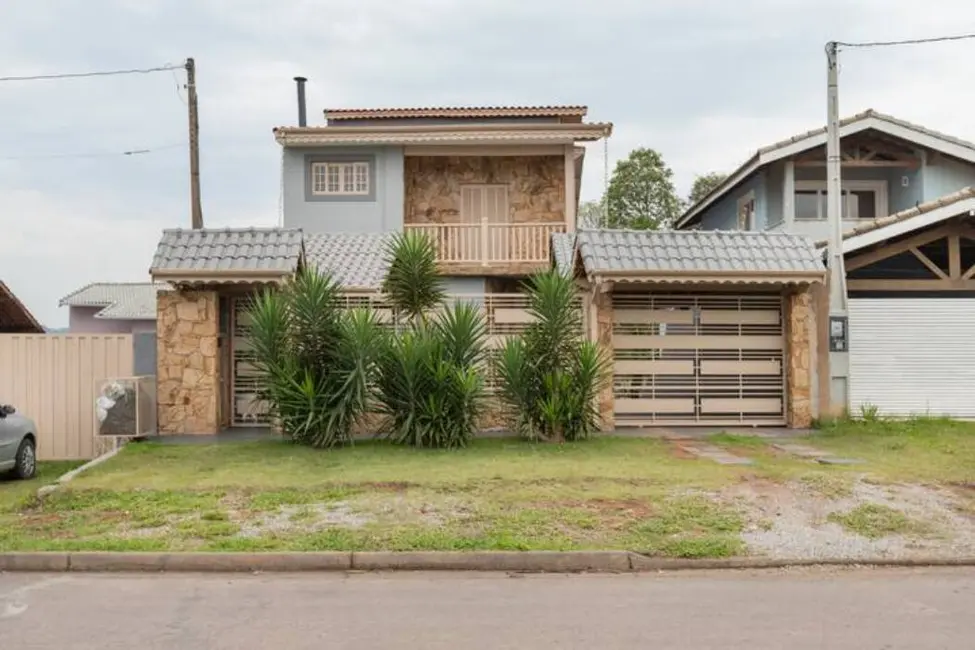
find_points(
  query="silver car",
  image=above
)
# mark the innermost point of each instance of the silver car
(18, 444)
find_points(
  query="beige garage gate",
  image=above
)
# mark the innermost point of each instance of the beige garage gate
(698, 359)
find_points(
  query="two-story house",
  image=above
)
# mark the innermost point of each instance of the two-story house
(909, 250)
(489, 185)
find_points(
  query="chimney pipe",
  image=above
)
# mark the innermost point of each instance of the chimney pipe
(302, 115)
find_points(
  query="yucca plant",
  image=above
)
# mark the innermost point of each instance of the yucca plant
(317, 359)
(550, 376)
(429, 386)
(413, 283)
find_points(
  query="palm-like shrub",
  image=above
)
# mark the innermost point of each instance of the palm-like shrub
(317, 359)
(550, 375)
(430, 387)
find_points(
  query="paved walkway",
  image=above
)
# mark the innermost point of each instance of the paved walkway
(796, 609)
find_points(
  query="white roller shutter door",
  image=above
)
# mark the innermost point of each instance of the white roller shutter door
(913, 356)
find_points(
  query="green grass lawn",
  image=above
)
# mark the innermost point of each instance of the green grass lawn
(607, 493)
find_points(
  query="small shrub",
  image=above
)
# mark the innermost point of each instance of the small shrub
(317, 359)
(551, 377)
(870, 413)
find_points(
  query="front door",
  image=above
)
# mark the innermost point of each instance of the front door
(484, 208)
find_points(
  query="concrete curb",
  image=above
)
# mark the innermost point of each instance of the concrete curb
(69, 476)
(511, 561)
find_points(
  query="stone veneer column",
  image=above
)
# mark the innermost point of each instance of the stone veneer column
(187, 384)
(603, 303)
(800, 328)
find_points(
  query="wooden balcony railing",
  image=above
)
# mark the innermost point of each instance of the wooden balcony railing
(491, 243)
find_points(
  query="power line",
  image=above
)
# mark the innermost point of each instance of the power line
(910, 41)
(101, 73)
(95, 154)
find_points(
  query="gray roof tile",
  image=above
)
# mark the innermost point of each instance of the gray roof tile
(231, 249)
(355, 260)
(696, 251)
(121, 300)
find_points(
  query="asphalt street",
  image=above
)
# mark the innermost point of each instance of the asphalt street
(794, 609)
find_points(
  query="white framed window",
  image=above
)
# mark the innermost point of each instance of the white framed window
(861, 200)
(340, 178)
(746, 211)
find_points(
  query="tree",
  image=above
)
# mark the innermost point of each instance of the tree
(641, 193)
(592, 214)
(703, 185)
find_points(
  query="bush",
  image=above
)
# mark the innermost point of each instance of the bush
(430, 387)
(317, 358)
(429, 384)
(550, 375)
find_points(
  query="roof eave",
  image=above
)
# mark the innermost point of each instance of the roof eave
(716, 277)
(564, 133)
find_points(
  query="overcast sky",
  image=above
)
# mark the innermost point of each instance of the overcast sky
(704, 82)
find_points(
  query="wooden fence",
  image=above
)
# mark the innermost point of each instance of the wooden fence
(54, 380)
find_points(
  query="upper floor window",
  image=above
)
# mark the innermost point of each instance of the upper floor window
(861, 200)
(340, 178)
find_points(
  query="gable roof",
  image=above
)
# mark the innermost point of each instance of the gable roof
(869, 119)
(907, 221)
(354, 260)
(121, 300)
(686, 255)
(15, 318)
(473, 112)
(231, 254)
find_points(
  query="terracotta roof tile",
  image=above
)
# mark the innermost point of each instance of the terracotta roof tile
(455, 111)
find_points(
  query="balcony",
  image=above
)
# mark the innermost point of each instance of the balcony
(516, 248)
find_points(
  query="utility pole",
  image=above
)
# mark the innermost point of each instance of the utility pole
(196, 208)
(839, 355)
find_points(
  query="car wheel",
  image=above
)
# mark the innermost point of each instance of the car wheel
(26, 465)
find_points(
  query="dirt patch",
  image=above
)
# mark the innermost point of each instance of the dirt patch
(678, 451)
(301, 518)
(793, 521)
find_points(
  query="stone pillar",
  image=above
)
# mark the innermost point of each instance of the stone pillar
(188, 388)
(800, 328)
(603, 304)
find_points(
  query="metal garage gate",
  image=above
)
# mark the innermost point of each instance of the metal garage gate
(698, 359)
(246, 408)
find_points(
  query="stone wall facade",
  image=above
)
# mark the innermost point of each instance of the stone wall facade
(536, 186)
(800, 330)
(603, 307)
(188, 385)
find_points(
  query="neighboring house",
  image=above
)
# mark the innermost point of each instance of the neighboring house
(489, 185)
(15, 318)
(911, 286)
(909, 249)
(112, 308)
(888, 166)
